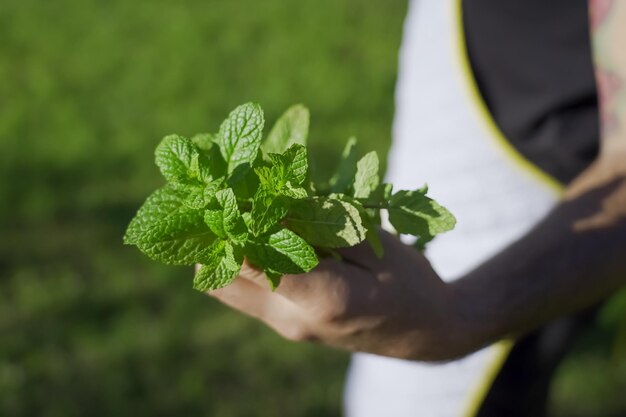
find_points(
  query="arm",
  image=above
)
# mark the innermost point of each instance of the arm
(577, 255)
(399, 307)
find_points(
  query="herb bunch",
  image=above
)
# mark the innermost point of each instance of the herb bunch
(232, 195)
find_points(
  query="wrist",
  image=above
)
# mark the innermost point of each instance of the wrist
(451, 332)
(472, 321)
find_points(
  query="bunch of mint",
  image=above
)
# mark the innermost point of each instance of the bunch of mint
(231, 196)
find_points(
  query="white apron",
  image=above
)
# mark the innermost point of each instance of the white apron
(443, 135)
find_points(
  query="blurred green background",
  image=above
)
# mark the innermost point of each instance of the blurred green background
(87, 89)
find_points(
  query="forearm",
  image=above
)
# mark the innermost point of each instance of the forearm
(573, 259)
(577, 255)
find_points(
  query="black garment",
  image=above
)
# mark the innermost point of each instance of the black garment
(532, 62)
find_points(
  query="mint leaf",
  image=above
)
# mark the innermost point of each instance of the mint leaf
(167, 231)
(282, 252)
(199, 197)
(372, 235)
(220, 270)
(182, 241)
(160, 206)
(224, 218)
(206, 144)
(203, 141)
(370, 223)
(296, 164)
(225, 199)
(267, 210)
(377, 200)
(287, 172)
(326, 222)
(180, 161)
(273, 277)
(411, 212)
(296, 193)
(239, 137)
(244, 181)
(292, 165)
(291, 128)
(366, 178)
(217, 165)
(344, 176)
(269, 177)
(381, 194)
(296, 249)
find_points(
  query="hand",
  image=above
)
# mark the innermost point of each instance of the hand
(395, 306)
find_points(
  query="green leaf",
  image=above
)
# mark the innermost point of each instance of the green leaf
(167, 231)
(382, 193)
(196, 217)
(291, 128)
(411, 212)
(199, 197)
(239, 137)
(245, 186)
(344, 176)
(282, 252)
(326, 222)
(287, 172)
(268, 177)
(195, 198)
(161, 205)
(220, 270)
(267, 210)
(378, 199)
(203, 141)
(182, 241)
(273, 277)
(371, 221)
(296, 164)
(372, 236)
(224, 218)
(270, 204)
(296, 193)
(180, 161)
(217, 166)
(206, 144)
(292, 165)
(366, 178)
(295, 248)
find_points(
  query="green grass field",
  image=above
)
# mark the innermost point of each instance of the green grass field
(87, 90)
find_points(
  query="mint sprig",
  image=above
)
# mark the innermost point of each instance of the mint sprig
(231, 196)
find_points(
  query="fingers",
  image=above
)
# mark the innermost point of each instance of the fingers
(294, 287)
(254, 275)
(331, 292)
(329, 289)
(291, 286)
(246, 297)
(274, 310)
(331, 282)
(363, 255)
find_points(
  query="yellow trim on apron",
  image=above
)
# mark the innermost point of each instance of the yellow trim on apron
(476, 400)
(503, 347)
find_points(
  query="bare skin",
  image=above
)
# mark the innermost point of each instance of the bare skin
(399, 307)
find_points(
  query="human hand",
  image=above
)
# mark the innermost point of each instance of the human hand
(395, 306)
